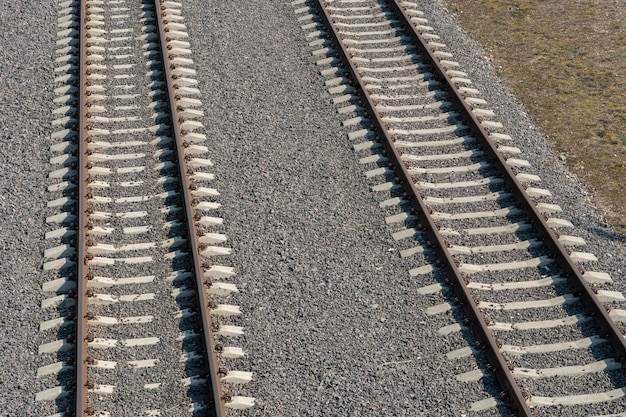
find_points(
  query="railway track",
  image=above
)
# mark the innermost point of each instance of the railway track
(467, 209)
(138, 289)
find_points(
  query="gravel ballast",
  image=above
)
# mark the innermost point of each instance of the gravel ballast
(333, 321)
(27, 38)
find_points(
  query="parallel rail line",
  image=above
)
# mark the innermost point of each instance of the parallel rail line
(215, 392)
(82, 323)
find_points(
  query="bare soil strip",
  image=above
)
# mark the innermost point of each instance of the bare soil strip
(566, 63)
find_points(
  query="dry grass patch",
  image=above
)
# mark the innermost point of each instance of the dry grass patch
(566, 62)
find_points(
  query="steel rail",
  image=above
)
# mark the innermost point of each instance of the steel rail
(81, 319)
(215, 391)
(569, 269)
(498, 363)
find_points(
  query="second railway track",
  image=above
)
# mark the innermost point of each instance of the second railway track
(465, 207)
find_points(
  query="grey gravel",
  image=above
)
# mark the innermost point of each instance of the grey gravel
(26, 65)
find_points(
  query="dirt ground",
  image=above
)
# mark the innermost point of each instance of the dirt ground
(566, 63)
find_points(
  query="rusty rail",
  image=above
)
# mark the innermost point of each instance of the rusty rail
(216, 398)
(497, 362)
(80, 368)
